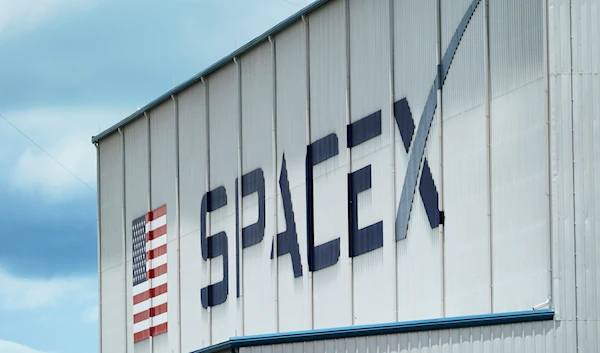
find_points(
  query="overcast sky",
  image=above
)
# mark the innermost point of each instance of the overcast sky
(68, 70)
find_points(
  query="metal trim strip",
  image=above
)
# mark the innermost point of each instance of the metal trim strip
(383, 329)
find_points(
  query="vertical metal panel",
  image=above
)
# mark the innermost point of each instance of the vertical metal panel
(332, 285)
(163, 188)
(193, 156)
(465, 178)
(419, 267)
(258, 275)
(113, 308)
(112, 271)
(111, 177)
(136, 202)
(516, 44)
(561, 171)
(295, 299)
(224, 133)
(520, 218)
(563, 245)
(99, 245)
(374, 272)
(586, 137)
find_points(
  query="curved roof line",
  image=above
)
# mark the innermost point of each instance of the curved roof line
(245, 48)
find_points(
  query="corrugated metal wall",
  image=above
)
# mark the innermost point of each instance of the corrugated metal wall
(113, 295)
(418, 257)
(137, 192)
(513, 164)
(163, 181)
(193, 184)
(224, 150)
(575, 125)
(586, 137)
(259, 277)
(294, 295)
(466, 189)
(328, 113)
(519, 150)
(563, 236)
(517, 338)
(373, 272)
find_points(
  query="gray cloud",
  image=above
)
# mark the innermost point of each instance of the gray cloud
(42, 239)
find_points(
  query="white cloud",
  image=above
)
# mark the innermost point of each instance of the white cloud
(65, 133)
(13, 347)
(17, 293)
(35, 170)
(28, 14)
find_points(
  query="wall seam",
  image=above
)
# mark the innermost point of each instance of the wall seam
(275, 155)
(488, 145)
(208, 214)
(348, 122)
(308, 142)
(551, 303)
(392, 81)
(178, 216)
(124, 228)
(99, 244)
(574, 209)
(441, 117)
(149, 135)
(240, 173)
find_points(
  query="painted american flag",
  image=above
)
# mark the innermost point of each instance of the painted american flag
(150, 274)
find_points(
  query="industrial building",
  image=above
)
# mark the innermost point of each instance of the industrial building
(367, 176)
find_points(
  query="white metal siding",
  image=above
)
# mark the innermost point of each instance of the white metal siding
(163, 180)
(137, 190)
(112, 271)
(466, 189)
(374, 289)
(193, 157)
(224, 132)
(294, 294)
(586, 145)
(111, 201)
(328, 114)
(258, 278)
(418, 256)
(519, 156)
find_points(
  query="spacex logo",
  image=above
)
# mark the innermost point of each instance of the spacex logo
(361, 240)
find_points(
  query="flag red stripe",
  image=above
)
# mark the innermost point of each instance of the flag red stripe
(154, 253)
(151, 293)
(155, 272)
(145, 315)
(159, 212)
(153, 234)
(140, 336)
(157, 330)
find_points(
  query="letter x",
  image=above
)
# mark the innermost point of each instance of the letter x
(427, 189)
(406, 125)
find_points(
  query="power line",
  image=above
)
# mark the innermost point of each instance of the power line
(292, 3)
(46, 152)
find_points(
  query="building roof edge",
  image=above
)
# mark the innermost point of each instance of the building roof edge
(214, 67)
